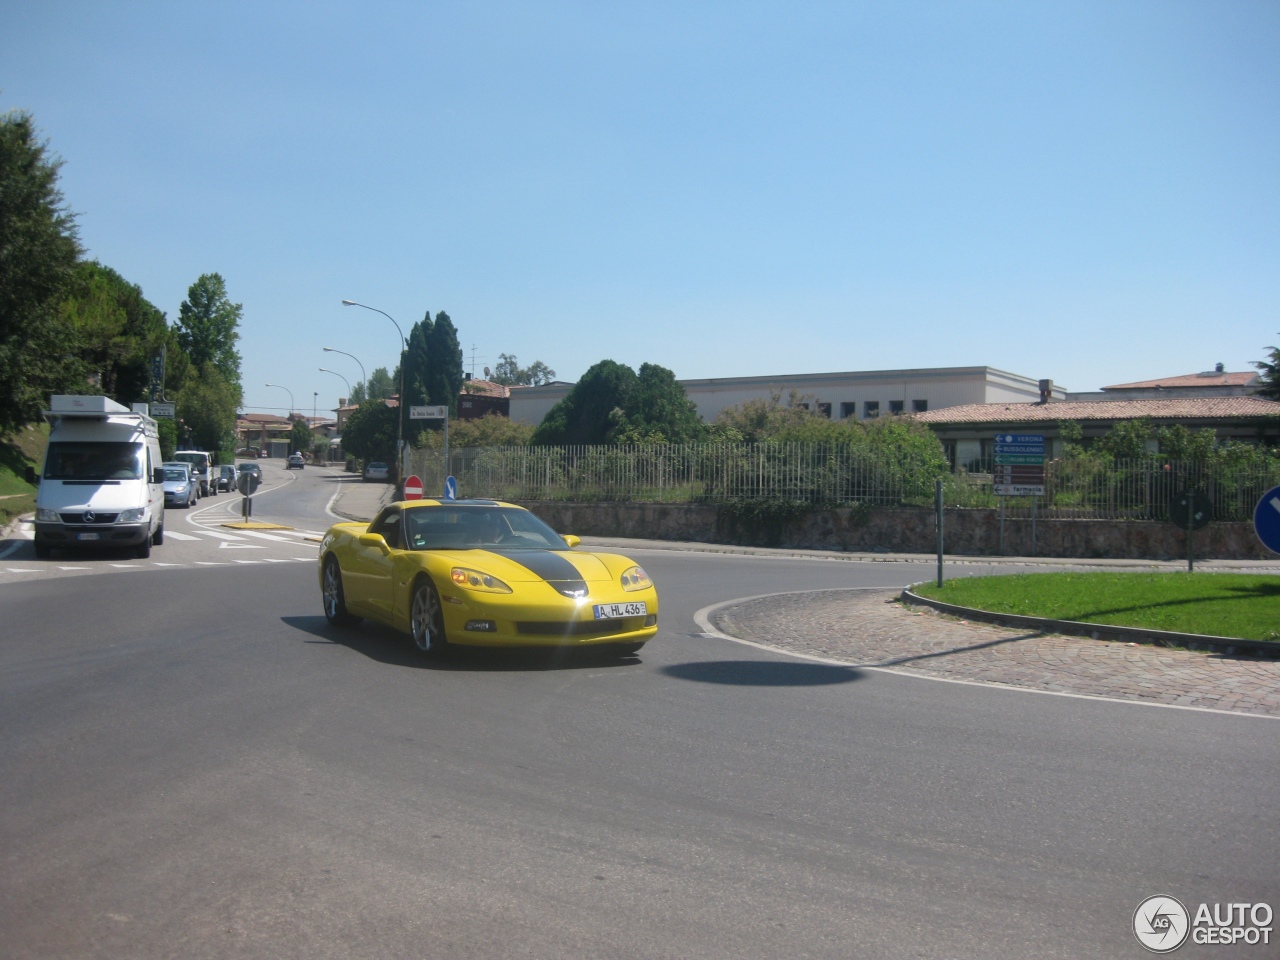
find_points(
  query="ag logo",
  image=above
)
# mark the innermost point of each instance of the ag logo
(1161, 924)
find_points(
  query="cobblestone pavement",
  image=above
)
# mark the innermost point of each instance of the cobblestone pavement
(870, 628)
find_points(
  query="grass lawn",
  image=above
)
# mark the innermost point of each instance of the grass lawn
(1240, 605)
(17, 450)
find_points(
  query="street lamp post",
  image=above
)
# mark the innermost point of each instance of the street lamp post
(404, 350)
(358, 363)
(288, 391)
(340, 377)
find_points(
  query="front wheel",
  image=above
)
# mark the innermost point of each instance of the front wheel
(426, 619)
(335, 601)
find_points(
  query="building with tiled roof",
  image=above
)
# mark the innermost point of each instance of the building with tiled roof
(968, 431)
(1211, 383)
(479, 397)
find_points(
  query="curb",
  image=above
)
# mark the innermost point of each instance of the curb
(1230, 646)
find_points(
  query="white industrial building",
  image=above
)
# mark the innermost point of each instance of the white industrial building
(863, 395)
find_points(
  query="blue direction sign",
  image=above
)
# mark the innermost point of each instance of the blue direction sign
(1266, 519)
(450, 488)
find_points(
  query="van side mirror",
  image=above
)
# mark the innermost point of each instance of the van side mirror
(31, 476)
(157, 475)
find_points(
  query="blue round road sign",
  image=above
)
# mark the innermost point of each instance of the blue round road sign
(1266, 519)
(450, 488)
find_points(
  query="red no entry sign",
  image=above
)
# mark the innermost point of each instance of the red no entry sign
(413, 488)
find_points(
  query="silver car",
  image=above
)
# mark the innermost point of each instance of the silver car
(181, 489)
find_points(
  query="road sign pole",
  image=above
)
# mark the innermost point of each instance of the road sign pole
(1191, 539)
(938, 506)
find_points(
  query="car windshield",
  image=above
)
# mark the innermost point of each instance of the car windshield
(174, 473)
(467, 527)
(94, 460)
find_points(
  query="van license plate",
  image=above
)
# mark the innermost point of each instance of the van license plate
(88, 536)
(612, 611)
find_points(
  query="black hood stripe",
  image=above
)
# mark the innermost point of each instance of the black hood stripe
(550, 566)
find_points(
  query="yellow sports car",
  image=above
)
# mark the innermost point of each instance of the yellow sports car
(483, 573)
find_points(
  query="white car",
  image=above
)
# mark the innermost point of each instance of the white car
(377, 471)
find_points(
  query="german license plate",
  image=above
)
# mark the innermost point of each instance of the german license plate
(612, 611)
(88, 536)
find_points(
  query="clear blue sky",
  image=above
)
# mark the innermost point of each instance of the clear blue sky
(1087, 190)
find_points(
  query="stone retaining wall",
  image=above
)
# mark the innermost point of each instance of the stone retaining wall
(906, 530)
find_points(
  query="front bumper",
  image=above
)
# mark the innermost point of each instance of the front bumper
(93, 535)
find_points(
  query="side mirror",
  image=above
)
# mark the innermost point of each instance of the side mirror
(571, 540)
(373, 540)
(157, 475)
(31, 476)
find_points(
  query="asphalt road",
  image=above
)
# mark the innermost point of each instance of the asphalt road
(194, 764)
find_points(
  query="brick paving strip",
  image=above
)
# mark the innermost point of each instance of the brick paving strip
(870, 628)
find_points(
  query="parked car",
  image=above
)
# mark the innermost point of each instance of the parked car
(180, 486)
(251, 468)
(295, 461)
(226, 479)
(201, 469)
(377, 471)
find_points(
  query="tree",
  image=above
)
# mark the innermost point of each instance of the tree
(758, 419)
(491, 430)
(207, 406)
(415, 378)
(1270, 376)
(443, 379)
(370, 432)
(658, 410)
(509, 373)
(300, 437)
(38, 251)
(586, 414)
(1127, 439)
(207, 327)
(380, 385)
(117, 330)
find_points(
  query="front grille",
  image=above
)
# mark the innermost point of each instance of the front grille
(98, 518)
(576, 628)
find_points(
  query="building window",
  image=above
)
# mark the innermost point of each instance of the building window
(848, 410)
(825, 410)
(919, 406)
(895, 407)
(870, 409)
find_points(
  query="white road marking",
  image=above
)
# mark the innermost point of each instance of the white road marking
(20, 570)
(180, 536)
(75, 568)
(266, 536)
(221, 536)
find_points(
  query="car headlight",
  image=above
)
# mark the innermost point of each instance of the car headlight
(45, 515)
(475, 580)
(132, 516)
(634, 578)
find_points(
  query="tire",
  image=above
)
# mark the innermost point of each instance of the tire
(144, 548)
(331, 595)
(43, 550)
(426, 619)
(157, 538)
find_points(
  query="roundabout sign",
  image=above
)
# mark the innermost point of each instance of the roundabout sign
(1266, 519)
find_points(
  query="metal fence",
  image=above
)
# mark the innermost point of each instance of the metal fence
(826, 474)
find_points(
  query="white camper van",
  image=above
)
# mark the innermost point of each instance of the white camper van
(102, 483)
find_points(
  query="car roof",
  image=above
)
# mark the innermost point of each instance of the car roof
(470, 504)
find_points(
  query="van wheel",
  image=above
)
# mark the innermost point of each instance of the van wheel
(43, 550)
(144, 549)
(157, 538)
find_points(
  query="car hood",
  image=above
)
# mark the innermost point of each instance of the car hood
(531, 566)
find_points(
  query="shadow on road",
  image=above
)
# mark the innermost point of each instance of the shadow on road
(759, 673)
(396, 649)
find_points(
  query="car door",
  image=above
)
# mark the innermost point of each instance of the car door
(368, 579)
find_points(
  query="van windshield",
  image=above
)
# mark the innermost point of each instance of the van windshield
(93, 460)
